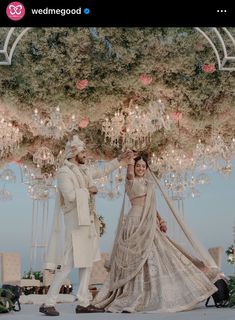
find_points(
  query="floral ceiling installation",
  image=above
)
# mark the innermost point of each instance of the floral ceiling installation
(90, 71)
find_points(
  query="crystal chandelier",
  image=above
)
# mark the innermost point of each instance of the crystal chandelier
(158, 115)
(59, 160)
(217, 155)
(40, 186)
(134, 129)
(10, 137)
(226, 169)
(43, 157)
(5, 195)
(109, 186)
(182, 173)
(6, 176)
(172, 160)
(179, 173)
(108, 189)
(182, 185)
(28, 173)
(53, 126)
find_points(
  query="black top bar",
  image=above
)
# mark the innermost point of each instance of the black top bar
(119, 13)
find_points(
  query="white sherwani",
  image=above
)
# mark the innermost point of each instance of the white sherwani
(77, 244)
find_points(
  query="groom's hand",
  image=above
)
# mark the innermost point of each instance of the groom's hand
(163, 226)
(93, 190)
(126, 155)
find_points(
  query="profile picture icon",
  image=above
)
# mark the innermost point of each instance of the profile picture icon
(15, 10)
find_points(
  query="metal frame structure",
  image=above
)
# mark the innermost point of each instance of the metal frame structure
(9, 53)
(222, 60)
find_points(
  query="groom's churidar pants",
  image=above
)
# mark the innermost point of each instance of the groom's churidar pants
(83, 294)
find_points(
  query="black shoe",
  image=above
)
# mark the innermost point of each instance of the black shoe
(42, 308)
(48, 310)
(88, 309)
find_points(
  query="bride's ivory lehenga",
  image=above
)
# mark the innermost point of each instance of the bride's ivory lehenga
(148, 272)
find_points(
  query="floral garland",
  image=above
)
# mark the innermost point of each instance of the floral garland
(102, 225)
(230, 254)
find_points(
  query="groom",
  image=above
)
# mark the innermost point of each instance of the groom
(80, 245)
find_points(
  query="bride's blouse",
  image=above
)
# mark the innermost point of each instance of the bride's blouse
(136, 190)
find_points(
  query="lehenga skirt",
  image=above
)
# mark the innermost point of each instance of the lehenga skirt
(167, 282)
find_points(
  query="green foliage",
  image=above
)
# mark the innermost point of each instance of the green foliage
(102, 225)
(232, 291)
(230, 254)
(37, 275)
(6, 304)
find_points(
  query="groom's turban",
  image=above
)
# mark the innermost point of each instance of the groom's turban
(73, 147)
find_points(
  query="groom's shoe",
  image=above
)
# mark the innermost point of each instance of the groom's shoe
(88, 309)
(48, 310)
(42, 308)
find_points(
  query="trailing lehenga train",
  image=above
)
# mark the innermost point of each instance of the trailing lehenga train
(148, 272)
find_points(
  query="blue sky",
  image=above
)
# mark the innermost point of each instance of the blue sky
(211, 217)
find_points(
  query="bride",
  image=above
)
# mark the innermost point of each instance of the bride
(148, 272)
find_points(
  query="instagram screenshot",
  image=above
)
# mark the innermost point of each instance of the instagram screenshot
(117, 159)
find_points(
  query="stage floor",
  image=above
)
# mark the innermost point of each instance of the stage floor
(67, 311)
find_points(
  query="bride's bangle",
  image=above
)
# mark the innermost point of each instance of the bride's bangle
(131, 162)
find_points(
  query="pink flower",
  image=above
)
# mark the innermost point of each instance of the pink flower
(176, 116)
(208, 68)
(145, 79)
(83, 123)
(82, 84)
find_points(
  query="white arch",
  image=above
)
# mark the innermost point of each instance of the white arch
(8, 57)
(221, 60)
(225, 58)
